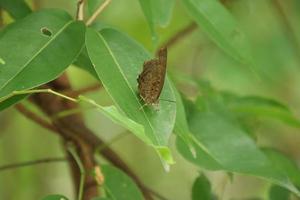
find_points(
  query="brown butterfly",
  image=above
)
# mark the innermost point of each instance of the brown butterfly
(152, 78)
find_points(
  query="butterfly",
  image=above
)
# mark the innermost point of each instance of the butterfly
(152, 78)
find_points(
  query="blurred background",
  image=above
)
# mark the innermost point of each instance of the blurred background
(274, 34)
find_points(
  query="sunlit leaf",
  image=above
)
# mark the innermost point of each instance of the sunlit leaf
(37, 49)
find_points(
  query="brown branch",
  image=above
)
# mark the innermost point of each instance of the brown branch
(75, 93)
(30, 163)
(287, 27)
(179, 35)
(34, 117)
(72, 128)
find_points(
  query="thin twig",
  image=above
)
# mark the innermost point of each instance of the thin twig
(30, 163)
(75, 93)
(97, 12)
(34, 117)
(81, 169)
(179, 35)
(80, 10)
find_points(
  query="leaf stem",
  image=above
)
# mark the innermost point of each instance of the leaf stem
(97, 12)
(80, 10)
(29, 163)
(81, 169)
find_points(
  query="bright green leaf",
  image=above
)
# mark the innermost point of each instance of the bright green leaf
(32, 57)
(118, 185)
(118, 60)
(55, 197)
(221, 27)
(16, 8)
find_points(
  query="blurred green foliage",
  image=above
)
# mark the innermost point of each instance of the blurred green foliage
(275, 44)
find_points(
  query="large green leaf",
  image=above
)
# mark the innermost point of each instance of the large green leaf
(118, 185)
(202, 189)
(118, 60)
(221, 27)
(16, 8)
(228, 145)
(36, 49)
(157, 12)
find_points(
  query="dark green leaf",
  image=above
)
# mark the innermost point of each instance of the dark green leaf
(278, 193)
(31, 57)
(118, 185)
(118, 60)
(55, 197)
(202, 189)
(221, 27)
(16, 8)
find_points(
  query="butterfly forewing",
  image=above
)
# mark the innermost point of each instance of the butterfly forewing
(151, 80)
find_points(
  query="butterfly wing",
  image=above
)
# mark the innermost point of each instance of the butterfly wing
(151, 80)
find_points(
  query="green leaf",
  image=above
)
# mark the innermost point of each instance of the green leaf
(221, 27)
(278, 193)
(263, 108)
(202, 189)
(55, 197)
(157, 12)
(118, 185)
(118, 60)
(16, 8)
(181, 128)
(228, 145)
(33, 57)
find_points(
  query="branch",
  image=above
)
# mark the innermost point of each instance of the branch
(97, 12)
(179, 35)
(75, 93)
(80, 10)
(31, 115)
(30, 163)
